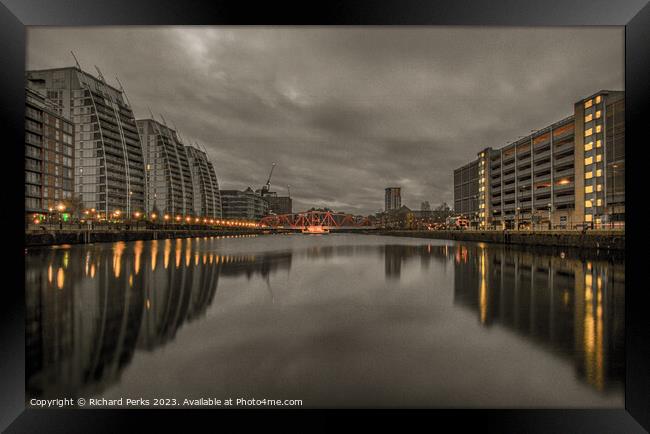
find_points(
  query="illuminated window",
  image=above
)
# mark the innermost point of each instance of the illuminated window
(589, 175)
(589, 132)
(589, 160)
(588, 279)
(588, 217)
(599, 202)
(589, 189)
(599, 187)
(598, 113)
(598, 99)
(599, 172)
(588, 204)
(588, 118)
(599, 128)
(588, 103)
(599, 158)
(599, 143)
(589, 146)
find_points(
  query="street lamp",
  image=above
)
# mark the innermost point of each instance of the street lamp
(517, 216)
(550, 215)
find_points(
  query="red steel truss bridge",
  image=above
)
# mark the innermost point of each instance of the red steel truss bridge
(327, 219)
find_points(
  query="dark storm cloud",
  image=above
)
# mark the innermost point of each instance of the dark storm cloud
(346, 112)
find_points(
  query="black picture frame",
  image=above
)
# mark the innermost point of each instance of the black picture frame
(633, 14)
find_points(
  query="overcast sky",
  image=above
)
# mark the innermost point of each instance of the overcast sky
(345, 112)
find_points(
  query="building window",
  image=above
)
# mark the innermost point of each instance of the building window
(589, 146)
(588, 118)
(599, 143)
(598, 99)
(599, 158)
(599, 172)
(588, 204)
(589, 175)
(599, 128)
(589, 160)
(599, 202)
(589, 189)
(598, 114)
(588, 217)
(589, 132)
(588, 103)
(599, 187)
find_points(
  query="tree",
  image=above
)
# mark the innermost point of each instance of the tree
(425, 206)
(443, 207)
(74, 206)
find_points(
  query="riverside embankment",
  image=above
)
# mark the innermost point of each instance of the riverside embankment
(55, 237)
(600, 240)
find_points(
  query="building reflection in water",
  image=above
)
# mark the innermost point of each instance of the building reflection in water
(85, 321)
(90, 308)
(568, 305)
(397, 255)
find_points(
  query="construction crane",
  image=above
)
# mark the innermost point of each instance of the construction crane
(267, 187)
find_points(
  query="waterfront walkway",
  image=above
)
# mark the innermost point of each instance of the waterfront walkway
(590, 239)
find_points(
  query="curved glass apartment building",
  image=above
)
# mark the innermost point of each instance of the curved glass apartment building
(169, 177)
(207, 197)
(108, 160)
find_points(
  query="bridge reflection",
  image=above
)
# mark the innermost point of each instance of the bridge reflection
(90, 309)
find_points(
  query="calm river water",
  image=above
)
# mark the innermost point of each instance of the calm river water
(334, 320)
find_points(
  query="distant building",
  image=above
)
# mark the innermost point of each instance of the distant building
(49, 151)
(244, 205)
(424, 218)
(108, 160)
(279, 204)
(393, 198)
(207, 197)
(400, 218)
(466, 190)
(167, 168)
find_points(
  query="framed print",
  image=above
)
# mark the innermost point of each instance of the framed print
(401, 206)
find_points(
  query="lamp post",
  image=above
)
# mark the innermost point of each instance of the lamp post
(614, 174)
(517, 212)
(550, 216)
(60, 208)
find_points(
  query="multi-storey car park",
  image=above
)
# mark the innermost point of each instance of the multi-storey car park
(108, 160)
(567, 174)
